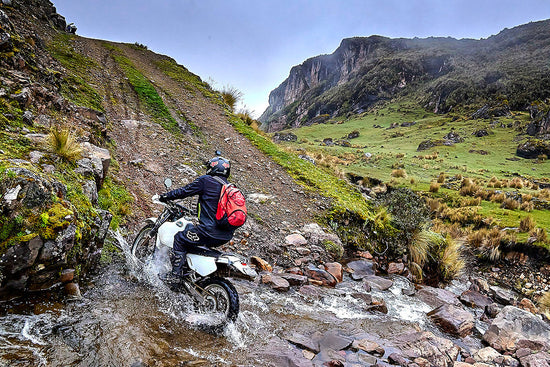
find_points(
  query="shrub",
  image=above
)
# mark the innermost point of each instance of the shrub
(434, 187)
(63, 143)
(399, 173)
(510, 204)
(527, 224)
(231, 96)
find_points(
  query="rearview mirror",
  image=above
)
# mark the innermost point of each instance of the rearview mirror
(168, 183)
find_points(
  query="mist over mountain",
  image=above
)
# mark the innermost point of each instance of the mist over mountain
(508, 71)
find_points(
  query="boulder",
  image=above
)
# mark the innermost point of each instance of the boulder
(440, 352)
(294, 279)
(436, 297)
(425, 145)
(540, 359)
(101, 160)
(502, 296)
(275, 282)
(486, 355)
(513, 324)
(453, 137)
(453, 320)
(533, 148)
(335, 269)
(89, 189)
(378, 283)
(321, 275)
(295, 239)
(475, 299)
(260, 263)
(317, 236)
(361, 269)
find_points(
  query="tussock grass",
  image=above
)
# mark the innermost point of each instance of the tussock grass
(544, 303)
(231, 96)
(397, 173)
(527, 224)
(63, 143)
(434, 187)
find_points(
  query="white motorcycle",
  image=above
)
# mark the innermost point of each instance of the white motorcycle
(211, 292)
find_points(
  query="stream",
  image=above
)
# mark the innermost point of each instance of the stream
(127, 317)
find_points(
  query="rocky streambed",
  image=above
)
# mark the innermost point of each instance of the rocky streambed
(128, 318)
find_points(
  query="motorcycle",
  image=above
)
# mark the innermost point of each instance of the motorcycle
(212, 294)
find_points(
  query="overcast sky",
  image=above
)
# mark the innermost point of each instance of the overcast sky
(251, 45)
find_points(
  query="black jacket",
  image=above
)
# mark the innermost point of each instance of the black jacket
(208, 189)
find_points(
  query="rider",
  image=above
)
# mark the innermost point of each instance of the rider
(207, 232)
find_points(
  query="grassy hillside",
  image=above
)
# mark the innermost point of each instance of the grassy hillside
(476, 183)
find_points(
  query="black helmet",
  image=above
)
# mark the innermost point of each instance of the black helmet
(218, 166)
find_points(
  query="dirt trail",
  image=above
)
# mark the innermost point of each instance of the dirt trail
(147, 153)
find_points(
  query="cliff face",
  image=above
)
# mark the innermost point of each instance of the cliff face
(442, 72)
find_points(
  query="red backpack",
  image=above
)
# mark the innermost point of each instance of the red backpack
(231, 212)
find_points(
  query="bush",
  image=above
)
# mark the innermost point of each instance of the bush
(527, 224)
(64, 144)
(434, 187)
(399, 173)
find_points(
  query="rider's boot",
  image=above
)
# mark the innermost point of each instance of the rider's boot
(180, 269)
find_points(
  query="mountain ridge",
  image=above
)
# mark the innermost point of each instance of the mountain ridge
(441, 73)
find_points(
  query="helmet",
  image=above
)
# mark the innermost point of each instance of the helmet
(218, 166)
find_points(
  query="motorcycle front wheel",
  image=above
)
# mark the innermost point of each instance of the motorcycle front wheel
(221, 300)
(144, 244)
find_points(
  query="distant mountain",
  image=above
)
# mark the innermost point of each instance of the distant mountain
(509, 70)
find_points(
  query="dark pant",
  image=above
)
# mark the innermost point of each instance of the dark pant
(189, 238)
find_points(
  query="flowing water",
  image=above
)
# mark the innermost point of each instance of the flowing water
(129, 318)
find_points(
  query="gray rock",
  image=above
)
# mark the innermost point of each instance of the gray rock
(20, 256)
(333, 340)
(28, 118)
(305, 342)
(89, 189)
(513, 324)
(294, 279)
(100, 157)
(502, 296)
(540, 359)
(378, 283)
(277, 353)
(84, 167)
(35, 156)
(361, 269)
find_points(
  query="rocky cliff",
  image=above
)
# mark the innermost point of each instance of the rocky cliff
(440, 73)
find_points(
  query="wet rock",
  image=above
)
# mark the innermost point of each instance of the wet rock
(295, 239)
(453, 320)
(396, 268)
(294, 279)
(438, 351)
(368, 346)
(502, 296)
(67, 275)
(335, 269)
(378, 305)
(378, 283)
(513, 324)
(365, 297)
(72, 290)
(333, 340)
(321, 275)
(260, 264)
(277, 353)
(474, 299)
(361, 269)
(310, 291)
(305, 342)
(275, 282)
(436, 297)
(21, 256)
(527, 305)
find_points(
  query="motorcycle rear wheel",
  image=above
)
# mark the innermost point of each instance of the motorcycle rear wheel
(144, 245)
(221, 300)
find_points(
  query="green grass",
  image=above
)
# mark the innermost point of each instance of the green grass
(189, 80)
(396, 148)
(75, 86)
(145, 91)
(117, 200)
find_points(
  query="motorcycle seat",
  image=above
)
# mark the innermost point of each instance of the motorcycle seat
(204, 251)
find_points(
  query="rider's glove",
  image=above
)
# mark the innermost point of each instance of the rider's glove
(163, 198)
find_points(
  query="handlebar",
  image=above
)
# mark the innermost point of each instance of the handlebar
(172, 204)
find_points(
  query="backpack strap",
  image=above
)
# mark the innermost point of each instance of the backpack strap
(220, 180)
